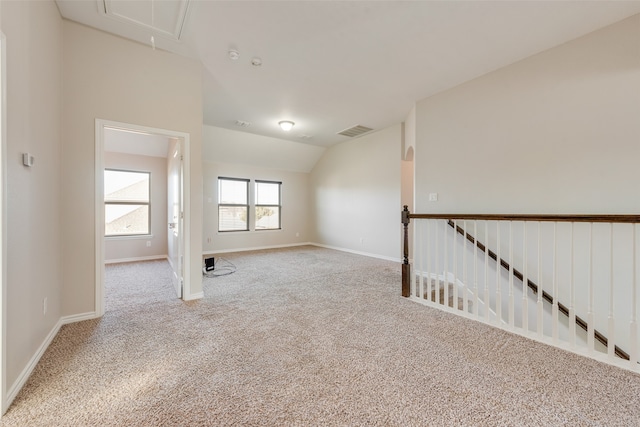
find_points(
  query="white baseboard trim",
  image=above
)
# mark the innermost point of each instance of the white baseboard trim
(198, 295)
(135, 259)
(33, 362)
(351, 251)
(78, 317)
(258, 248)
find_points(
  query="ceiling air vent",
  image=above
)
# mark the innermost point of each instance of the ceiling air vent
(355, 131)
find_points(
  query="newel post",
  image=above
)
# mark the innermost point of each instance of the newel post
(406, 268)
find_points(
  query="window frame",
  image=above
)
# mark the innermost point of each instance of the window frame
(131, 203)
(256, 205)
(232, 205)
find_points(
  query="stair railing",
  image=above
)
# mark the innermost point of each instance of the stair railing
(565, 280)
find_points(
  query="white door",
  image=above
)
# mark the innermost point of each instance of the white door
(175, 215)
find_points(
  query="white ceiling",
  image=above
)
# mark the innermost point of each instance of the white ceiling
(330, 65)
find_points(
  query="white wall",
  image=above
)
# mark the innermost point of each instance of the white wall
(236, 154)
(127, 248)
(110, 78)
(33, 33)
(355, 194)
(295, 209)
(229, 146)
(555, 133)
(407, 184)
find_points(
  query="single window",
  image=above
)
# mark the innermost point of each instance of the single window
(127, 203)
(233, 204)
(268, 205)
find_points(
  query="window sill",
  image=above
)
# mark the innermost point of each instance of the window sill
(248, 231)
(136, 237)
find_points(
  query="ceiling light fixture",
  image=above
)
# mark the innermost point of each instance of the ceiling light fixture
(256, 62)
(286, 125)
(233, 54)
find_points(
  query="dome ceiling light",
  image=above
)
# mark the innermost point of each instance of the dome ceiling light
(286, 125)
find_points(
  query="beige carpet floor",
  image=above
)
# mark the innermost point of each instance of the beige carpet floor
(306, 337)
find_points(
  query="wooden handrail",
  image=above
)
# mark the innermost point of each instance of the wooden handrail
(529, 217)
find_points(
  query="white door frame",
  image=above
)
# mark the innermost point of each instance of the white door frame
(178, 266)
(99, 203)
(3, 225)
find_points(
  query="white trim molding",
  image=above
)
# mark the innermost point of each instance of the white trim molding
(100, 125)
(136, 259)
(260, 248)
(257, 248)
(351, 251)
(74, 318)
(33, 362)
(197, 295)
(99, 214)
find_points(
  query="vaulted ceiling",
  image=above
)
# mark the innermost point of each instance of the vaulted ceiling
(331, 65)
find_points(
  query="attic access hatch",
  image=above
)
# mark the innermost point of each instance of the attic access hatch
(163, 17)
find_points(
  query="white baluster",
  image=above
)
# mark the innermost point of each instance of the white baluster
(487, 300)
(511, 297)
(633, 327)
(420, 255)
(590, 315)
(572, 312)
(498, 276)
(428, 256)
(611, 344)
(525, 299)
(455, 266)
(554, 309)
(540, 313)
(437, 268)
(416, 258)
(475, 268)
(465, 296)
(446, 265)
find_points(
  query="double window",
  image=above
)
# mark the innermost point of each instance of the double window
(127, 203)
(235, 204)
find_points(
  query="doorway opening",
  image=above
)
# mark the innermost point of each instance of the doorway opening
(139, 228)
